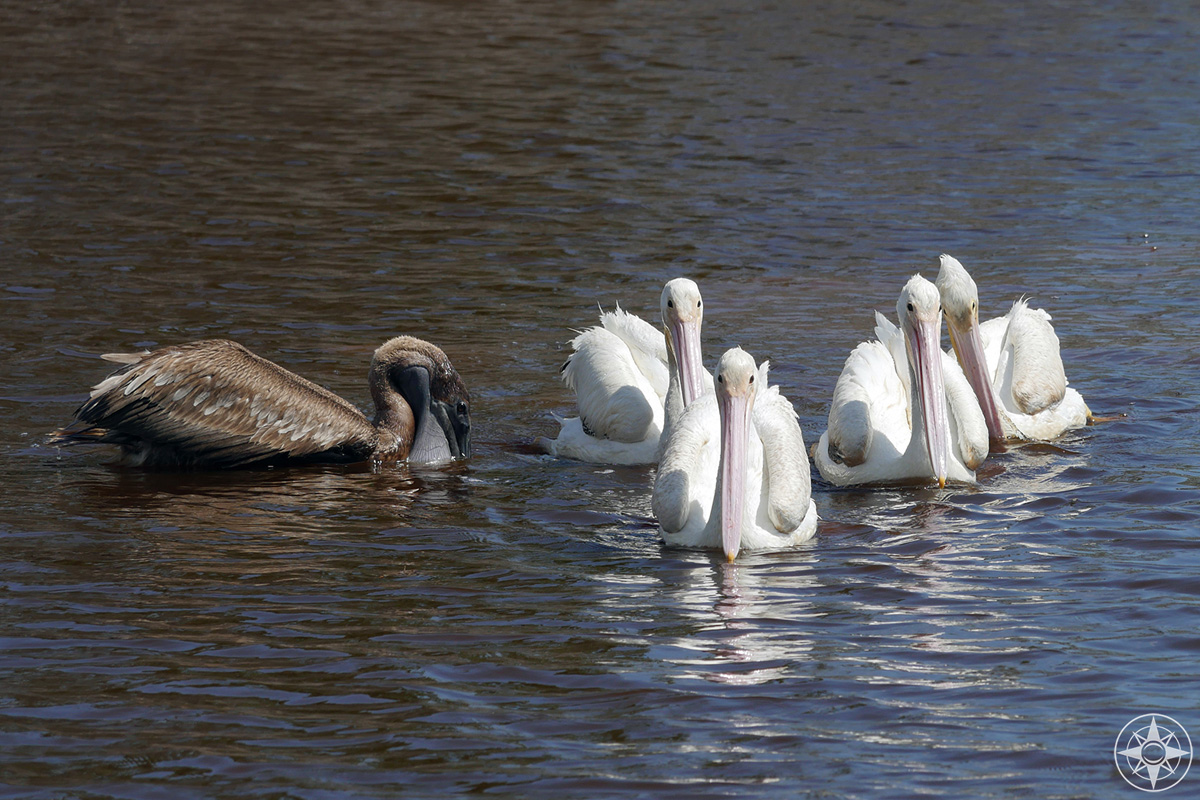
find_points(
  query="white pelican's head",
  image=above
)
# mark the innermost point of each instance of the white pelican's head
(736, 390)
(960, 301)
(682, 315)
(920, 312)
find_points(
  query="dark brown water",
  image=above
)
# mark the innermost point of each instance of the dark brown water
(313, 178)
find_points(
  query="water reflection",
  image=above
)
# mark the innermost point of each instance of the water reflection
(310, 503)
(748, 619)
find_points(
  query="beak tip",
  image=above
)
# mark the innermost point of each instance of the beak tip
(941, 481)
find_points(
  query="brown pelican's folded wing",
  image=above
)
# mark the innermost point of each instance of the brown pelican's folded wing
(214, 403)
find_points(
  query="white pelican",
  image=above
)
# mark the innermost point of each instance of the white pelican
(215, 404)
(1012, 363)
(902, 411)
(631, 380)
(734, 471)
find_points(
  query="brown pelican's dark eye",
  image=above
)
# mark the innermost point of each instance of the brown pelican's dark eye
(910, 307)
(752, 379)
(720, 379)
(461, 409)
(670, 304)
(697, 304)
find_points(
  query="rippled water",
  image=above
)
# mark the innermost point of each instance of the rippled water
(313, 178)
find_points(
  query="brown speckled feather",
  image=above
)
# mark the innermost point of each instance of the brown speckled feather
(215, 403)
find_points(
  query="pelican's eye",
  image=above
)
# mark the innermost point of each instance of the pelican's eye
(461, 408)
(670, 304)
(752, 379)
(697, 304)
(910, 308)
(720, 378)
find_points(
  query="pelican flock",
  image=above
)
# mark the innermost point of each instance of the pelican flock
(214, 403)
(732, 468)
(1012, 363)
(902, 411)
(631, 381)
(734, 472)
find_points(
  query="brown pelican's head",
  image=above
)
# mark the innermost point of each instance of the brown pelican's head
(736, 390)
(682, 315)
(960, 300)
(920, 311)
(435, 394)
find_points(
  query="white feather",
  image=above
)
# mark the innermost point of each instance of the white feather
(777, 483)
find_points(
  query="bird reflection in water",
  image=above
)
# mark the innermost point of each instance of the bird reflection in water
(296, 501)
(738, 641)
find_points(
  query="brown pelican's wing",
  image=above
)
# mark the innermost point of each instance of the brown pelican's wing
(214, 403)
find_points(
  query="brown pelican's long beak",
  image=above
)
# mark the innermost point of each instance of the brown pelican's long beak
(924, 340)
(735, 435)
(685, 339)
(968, 346)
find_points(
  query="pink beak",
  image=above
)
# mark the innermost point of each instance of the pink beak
(685, 337)
(969, 348)
(925, 348)
(735, 434)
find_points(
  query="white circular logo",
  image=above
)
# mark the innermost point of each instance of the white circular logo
(1153, 752)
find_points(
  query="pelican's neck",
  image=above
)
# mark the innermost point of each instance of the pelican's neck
(394, 421)
(916, 413)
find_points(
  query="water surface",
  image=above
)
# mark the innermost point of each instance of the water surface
(311, 179)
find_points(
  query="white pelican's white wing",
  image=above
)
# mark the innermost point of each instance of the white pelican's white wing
(617, 400)
(786, 506)
(1030, 367)
(869, 416)
(687, 474)
(1029, 378)
(618, 371)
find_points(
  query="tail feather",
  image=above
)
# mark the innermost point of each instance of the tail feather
(125, 358)
(82, 435)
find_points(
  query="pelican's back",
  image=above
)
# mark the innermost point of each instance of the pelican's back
(616, 374)
(869, 400)
(1030, 367)
(214, 403)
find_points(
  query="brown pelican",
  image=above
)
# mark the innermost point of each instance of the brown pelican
(630, 380)
(734, 472)
(902, 412)
(214, 403)
(1012, 362)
